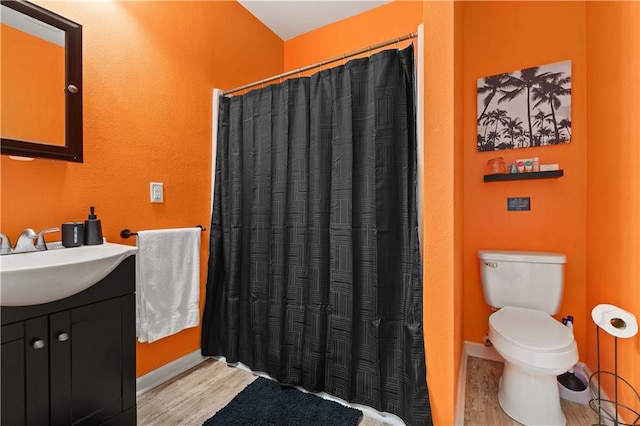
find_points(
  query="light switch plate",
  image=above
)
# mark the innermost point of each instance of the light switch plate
(156, 192)
(519, 204)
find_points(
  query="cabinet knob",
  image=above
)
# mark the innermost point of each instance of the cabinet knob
(38, 344)
(72, 89)
(63, 337)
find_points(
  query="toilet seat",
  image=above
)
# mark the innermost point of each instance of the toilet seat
(543, 333)
(533, 339)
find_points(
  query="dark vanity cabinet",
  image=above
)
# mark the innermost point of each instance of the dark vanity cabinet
(72, 362)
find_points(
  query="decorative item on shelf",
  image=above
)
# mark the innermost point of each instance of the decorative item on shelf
(497, 170)
(496, 166)
(528, 166)
(549, 167)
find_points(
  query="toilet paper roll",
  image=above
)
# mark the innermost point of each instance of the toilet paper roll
(615, 321)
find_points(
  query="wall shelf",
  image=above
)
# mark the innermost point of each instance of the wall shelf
(553, 174)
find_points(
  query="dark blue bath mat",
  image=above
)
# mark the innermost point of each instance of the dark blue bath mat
(266, 403)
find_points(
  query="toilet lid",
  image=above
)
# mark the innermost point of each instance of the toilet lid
(531, 329)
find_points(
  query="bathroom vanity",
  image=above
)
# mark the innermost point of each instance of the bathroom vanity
(72, 361)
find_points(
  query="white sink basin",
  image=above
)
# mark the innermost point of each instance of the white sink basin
(46, 276)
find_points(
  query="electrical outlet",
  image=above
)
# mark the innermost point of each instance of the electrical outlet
(157, 192)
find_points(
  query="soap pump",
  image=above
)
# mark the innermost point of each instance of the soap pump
(92, 229)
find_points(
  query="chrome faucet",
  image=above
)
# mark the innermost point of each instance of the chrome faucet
(5, 245)
(41, 244)
(28, 241)
(25, 242)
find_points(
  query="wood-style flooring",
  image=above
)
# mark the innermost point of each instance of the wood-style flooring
(194, 396)
(481, 400)
(197, 394)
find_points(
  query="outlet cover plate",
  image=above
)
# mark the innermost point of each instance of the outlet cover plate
(156, 191)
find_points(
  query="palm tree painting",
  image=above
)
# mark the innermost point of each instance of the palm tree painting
(526, 108)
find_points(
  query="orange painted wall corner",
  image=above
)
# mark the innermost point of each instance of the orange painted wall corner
(147, 118)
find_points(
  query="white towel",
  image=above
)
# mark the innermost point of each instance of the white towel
(168, 282)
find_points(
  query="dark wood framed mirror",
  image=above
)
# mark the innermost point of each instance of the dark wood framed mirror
(41, 83)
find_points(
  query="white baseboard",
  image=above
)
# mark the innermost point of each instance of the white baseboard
(477, 350)
(167, 372)
(458, 415)
(481, 351)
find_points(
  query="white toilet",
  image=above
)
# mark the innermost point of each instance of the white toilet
(526, 288)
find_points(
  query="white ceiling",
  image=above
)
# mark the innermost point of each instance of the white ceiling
(290, 18)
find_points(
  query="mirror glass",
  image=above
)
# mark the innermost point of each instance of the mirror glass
(41, 68)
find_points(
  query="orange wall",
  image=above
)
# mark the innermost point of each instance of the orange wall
(147, 117)
(613, 232)
(442, 193)
(366, 29)
(143, 110)
(458, 211)
(591, 214)
(33, 83)
(442, 203)
(508, 36)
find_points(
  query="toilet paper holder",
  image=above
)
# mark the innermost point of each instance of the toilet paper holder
(619, 324)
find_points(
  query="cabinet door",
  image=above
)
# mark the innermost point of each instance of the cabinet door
(12, 373)
(96, 362)
(37, 370)
(60, 367)
(25, 373)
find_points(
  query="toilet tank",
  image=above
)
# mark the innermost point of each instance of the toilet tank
(522, 278)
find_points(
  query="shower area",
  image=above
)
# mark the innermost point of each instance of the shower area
(315, 271)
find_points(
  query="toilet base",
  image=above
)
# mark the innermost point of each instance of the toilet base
(530, 399)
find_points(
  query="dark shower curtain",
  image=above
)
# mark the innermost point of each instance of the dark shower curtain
(314, 268)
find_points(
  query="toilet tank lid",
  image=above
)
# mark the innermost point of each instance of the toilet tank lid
(522, 256)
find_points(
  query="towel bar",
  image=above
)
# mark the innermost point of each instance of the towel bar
(126, 233)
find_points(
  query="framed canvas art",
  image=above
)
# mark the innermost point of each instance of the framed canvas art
(526, 108)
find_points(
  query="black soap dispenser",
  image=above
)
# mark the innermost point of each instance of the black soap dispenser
(92, 229)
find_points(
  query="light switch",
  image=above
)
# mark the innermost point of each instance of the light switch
(519, 204)
(156, 192)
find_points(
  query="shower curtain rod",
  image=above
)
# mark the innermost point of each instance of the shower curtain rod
(322, 63)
